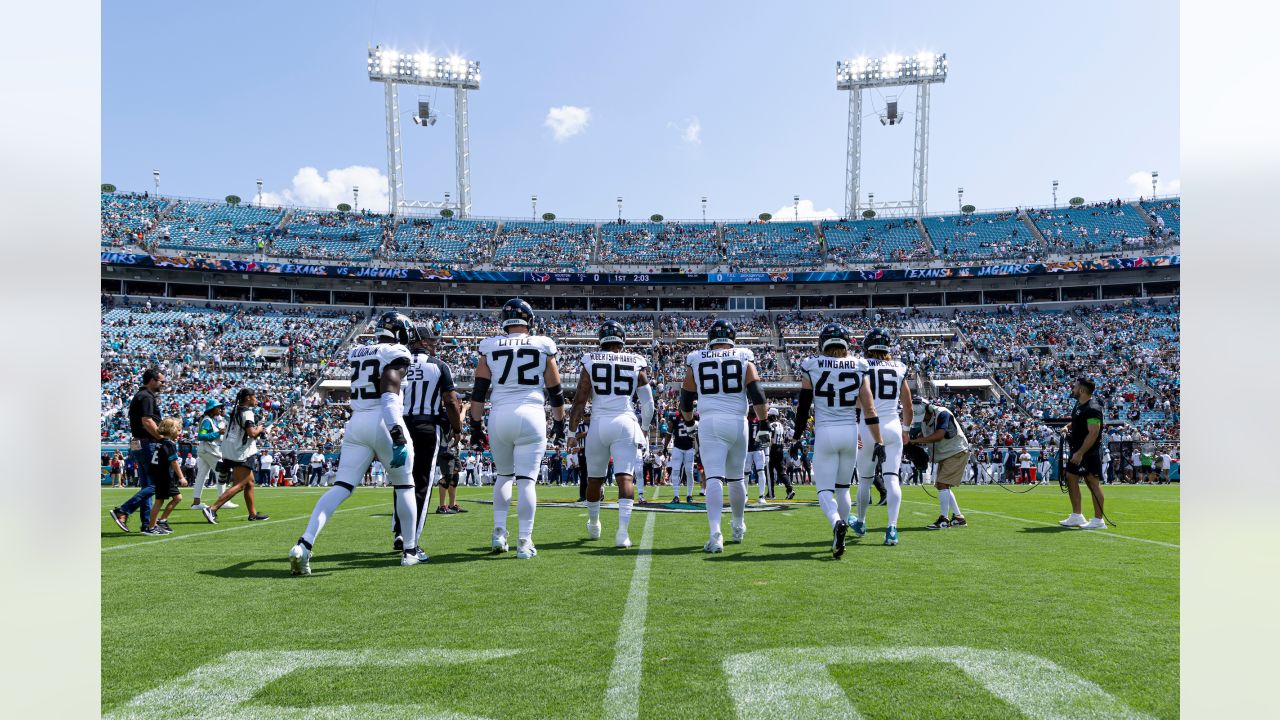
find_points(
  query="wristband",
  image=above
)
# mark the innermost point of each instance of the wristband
(872, 421)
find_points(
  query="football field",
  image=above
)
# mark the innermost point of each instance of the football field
(1009, 617)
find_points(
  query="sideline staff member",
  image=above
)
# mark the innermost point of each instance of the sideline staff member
(950, 452)
(1086, 456)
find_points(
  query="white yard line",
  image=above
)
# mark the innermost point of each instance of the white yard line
(1105, 533)
(246, 526)
(622, 699)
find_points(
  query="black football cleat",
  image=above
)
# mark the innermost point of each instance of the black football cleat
(939, 524)
(959, 521)
(837, 541)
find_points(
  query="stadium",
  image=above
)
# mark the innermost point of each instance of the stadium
(995, 315)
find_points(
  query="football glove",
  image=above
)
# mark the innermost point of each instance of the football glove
(764, 436)
(877, 453)
(691, 429)
(557, 431)
(477, 434)
(399, 455)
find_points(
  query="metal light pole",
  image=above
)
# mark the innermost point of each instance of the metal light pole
(871, 201)
(446, 200)
(619, 208)
(704, 208)
(796, 204)
(534, 199)
(960, 197)
(259, 181)
(1055, 194)
(155, 176)
(355, 198)
(1154, 176)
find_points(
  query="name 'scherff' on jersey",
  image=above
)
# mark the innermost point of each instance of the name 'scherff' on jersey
(887, 378)
(614, 380)
(518, 368)
(368, 362)
(835, 382)
(720, 377)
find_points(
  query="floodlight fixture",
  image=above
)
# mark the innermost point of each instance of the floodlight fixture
(423, 68)
(891, 71)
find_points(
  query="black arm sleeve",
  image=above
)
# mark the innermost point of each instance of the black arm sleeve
(686, 400)
(754, 393)
(480, 390)
(555, 396)
(802, 412)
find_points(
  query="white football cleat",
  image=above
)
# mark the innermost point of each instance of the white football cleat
(1094, 524)
(499, 540)
(407, 559)
(1075, 520)
(715, 544)
(525, 549)
(229, 504)
(621, 539)
(300, 560)
(738, 532)
(593, 530)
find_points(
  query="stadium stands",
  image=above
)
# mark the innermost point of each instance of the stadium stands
(873, 241)
(543, 245)
(980, 236)
(660, 243)
(1167, 214)
(1103, 227)
(217, 227)
(127, 217)
(441, 242)
(772, 244)
(331, 236)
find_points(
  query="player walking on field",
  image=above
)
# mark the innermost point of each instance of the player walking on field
(887, 381)
(722, 380)
(1086, 456)
(521, 369)
(376, 430)
(835, 385)
(609, 379)
(681, 462)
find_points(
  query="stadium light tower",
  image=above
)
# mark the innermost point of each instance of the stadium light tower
(535, 206)
(619, 208)
(392, 68)
(1055, 194)
(155, 176)
(355, 198)
(960, 197)
(259, 181)
(1154, 176)
(795, 203)
(704, 208)
(921, 71)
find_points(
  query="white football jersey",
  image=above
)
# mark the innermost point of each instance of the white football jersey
(367, 365)
(517, 366)
(720, 376)
(835, 382)
(614, 381)
(887, 379)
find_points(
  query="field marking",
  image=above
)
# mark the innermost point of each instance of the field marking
(1107, 533)
(221, 688)
(796, 682)
(622, 698)
(206, 533)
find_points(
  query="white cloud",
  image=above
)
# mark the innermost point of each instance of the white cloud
(309, 189)
(807, 212)
(690, 130)
(1140, 181)
(567, 120)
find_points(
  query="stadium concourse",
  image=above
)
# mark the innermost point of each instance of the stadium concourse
(1021, 357)
(208, 228)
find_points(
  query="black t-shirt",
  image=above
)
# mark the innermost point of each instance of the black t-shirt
(1082, 416)
(143, 405)
(682, 441)
(163, 453)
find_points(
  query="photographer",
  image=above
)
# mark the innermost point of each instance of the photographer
(949, 450)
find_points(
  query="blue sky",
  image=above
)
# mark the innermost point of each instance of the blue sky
(734, 100)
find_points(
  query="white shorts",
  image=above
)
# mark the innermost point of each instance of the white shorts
(891, 433)
(681, 459)
(518, 440)
(618, 437)
(364, 439)
(758, 463)
(723, 443)
(835, 455)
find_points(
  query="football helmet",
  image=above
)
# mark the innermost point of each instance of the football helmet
(612, 332)
(396, 327)
(876, 339)
(833, 334)
(722, 332)
(517, 312)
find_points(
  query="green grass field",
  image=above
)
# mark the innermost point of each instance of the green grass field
(1009, 617)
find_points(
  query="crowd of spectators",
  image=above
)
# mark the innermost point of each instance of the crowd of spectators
(461, 243)
(128, 217)
(625, 242)
(543, 245)
(768, 245)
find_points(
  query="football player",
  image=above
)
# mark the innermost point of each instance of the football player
(610, 377)
(682, 454)
(722, 380)
(376, 429)
(521, 369)
(756, 450)
(834, 384)
(887, 379)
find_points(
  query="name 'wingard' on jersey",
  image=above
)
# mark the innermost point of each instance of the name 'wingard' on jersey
(368, 362)
(518, 366)
(614, 381)
(835, 382)
(720, 376)
(887, 378)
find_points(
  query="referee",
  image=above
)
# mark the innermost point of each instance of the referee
(1085, 441)
(427, 392)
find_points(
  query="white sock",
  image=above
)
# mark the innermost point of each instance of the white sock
(760, 483)
(639, 486)
(715, 503)
(407, 513)
(955, 506)
(501, 501)
(944, 500)
(526, 506)
(738, 501)
(864, 498)
(624, 514)
(593, 511)
(325, 507)
(843, 502)
(895, 499)
(827, 501)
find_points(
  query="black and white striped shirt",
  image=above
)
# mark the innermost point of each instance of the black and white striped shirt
(425, 382)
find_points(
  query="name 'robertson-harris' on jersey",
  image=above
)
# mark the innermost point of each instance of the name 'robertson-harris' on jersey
(614, 377)
(836, 382)
(720, 376)
(518, 366)
(887, 378)
(367, 365)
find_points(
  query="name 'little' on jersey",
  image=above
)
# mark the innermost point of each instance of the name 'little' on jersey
(720, 376)
(518, 365)
(367, 365)
(836, 382)
(614, 376)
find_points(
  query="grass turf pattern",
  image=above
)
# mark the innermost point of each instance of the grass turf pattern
(542, 634)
